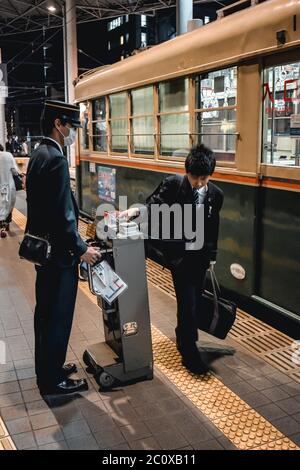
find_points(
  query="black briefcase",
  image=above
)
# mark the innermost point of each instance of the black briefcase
(217, 315)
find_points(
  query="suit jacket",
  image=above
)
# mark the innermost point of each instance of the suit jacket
(51, 207)
(177, 189)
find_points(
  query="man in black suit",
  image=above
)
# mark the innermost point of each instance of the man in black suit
(52, 212)
(187, 261)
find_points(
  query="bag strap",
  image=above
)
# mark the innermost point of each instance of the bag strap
(215, 281)
(216, 293)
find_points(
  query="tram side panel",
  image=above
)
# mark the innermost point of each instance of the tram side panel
(237, 216)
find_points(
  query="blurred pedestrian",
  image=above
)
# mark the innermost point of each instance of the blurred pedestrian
(8, 167)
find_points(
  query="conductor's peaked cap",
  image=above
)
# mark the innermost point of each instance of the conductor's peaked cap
(62, 110)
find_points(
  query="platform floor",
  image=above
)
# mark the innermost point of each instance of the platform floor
(248, 402)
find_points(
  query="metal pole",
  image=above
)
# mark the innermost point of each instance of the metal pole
(70, 59)
(184, 13)
(2, 116)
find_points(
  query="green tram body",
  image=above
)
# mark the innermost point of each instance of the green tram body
(258, 167)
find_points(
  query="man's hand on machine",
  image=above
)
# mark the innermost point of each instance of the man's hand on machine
(91, 255)
(129, 213)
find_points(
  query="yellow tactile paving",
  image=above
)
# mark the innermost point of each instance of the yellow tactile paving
(6, 442)
(282, 444)
(262, 340)
(235, 418)
(3, 431)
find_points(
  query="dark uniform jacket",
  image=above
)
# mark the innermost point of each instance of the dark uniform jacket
(52, 210)
(177, 189)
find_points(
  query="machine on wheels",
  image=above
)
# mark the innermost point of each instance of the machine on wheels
(126, 354)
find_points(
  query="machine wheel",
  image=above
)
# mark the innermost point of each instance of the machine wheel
(105, 380)
(3, 234)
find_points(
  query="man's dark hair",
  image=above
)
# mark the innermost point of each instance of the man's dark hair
(1, 148)
(200, 161)
(47, 124)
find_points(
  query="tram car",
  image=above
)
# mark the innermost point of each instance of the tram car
(233, 84)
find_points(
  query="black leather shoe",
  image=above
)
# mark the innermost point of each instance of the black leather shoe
(195, 366)
(66, 387)
(69, 369)
(199, 369)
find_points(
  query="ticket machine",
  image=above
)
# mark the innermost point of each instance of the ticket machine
(126, 354)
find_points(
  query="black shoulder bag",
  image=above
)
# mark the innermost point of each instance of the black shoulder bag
(36, 250)
(216, 315)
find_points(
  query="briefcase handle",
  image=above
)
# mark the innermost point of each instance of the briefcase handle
(214, 282)
(216, 293)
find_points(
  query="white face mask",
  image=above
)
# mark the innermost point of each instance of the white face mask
(69, 139)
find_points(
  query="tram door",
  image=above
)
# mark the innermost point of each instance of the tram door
(278, 205)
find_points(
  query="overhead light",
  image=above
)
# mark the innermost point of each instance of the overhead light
(52, 8)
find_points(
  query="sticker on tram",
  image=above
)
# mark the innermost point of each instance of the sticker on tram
(107, 183)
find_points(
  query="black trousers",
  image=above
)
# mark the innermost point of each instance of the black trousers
(56, 290)
(188, 279)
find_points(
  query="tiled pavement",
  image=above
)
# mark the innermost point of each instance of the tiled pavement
(147, 415)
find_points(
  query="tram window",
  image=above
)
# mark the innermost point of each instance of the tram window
(99, 124)
(142, 121)
(119, 135)
(143, 135)
(142, 101)
(84, 131)
(173, 96)
(118, 105)
(174, 118)
(118, 122)
(174, 139)
(99, 109)
(214, 126)
(281, 105)
(217, 130)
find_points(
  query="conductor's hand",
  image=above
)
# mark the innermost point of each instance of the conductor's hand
(91, 255)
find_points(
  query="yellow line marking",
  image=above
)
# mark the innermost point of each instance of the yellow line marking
(241, 424)
(6, 442)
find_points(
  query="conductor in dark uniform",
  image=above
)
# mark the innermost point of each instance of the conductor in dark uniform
(187, 262)
(52, 212)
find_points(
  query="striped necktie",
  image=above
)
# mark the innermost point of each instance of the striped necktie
(195, 196)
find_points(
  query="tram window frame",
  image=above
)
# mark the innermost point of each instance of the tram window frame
(135, 116)
(94, 121)
(225, 138)
(112, 119)
(291, 103)
(169, 112)
(84, 131)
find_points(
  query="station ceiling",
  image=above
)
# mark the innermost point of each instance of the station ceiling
(19, 16)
